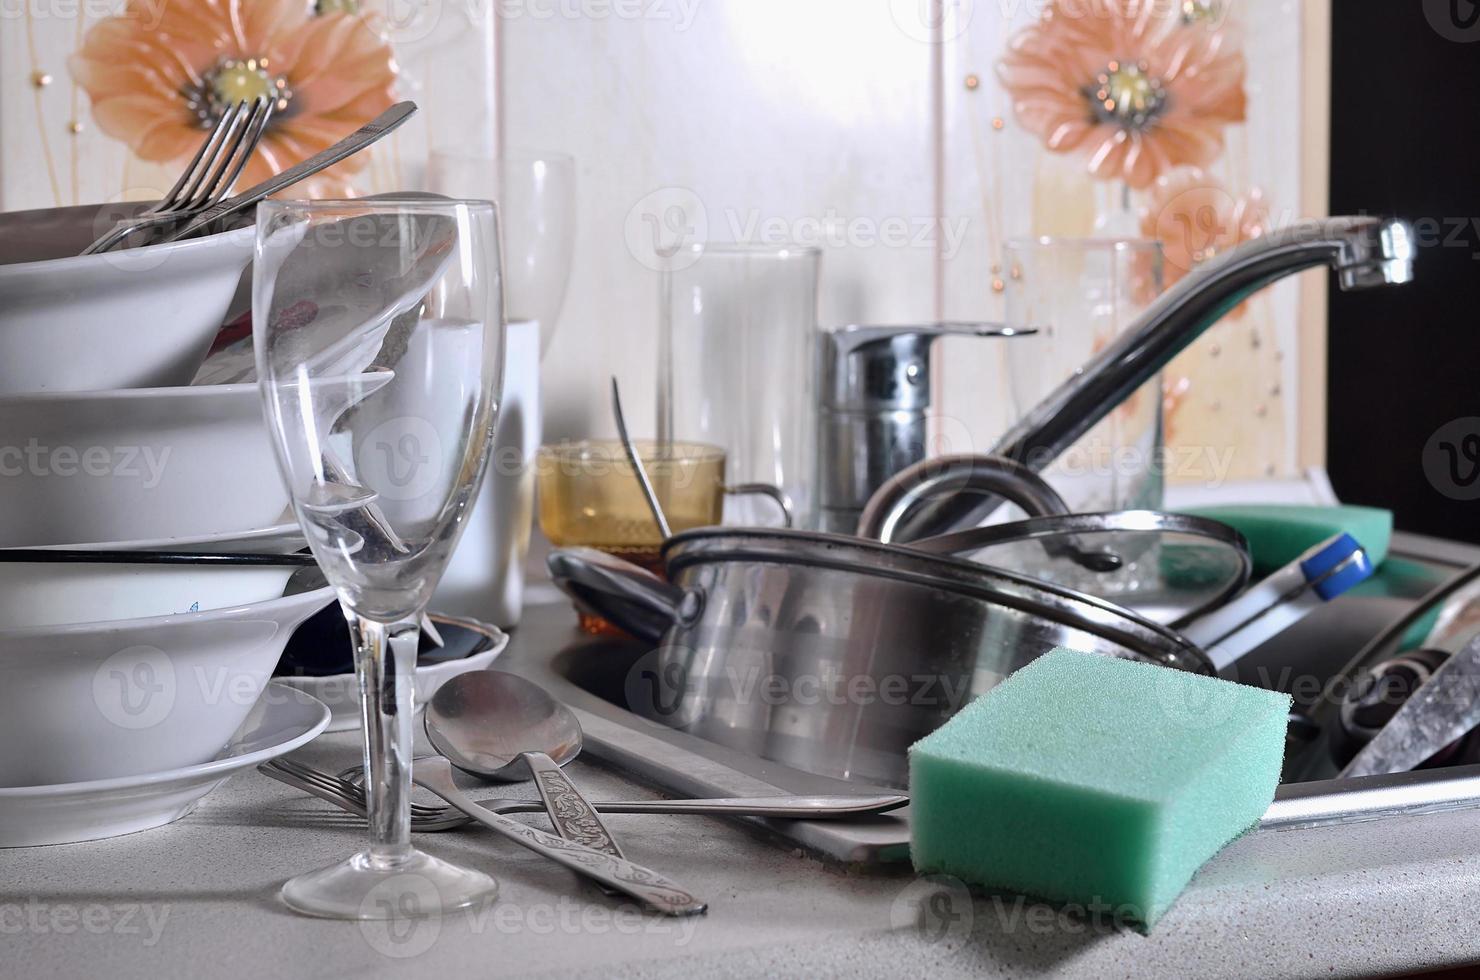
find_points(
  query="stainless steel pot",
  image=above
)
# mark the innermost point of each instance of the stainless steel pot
(833, 654)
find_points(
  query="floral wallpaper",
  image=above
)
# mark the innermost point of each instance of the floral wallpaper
(157, 85)
(1158, 119)
(105, 100)
(1177, 119)
(1136, 88)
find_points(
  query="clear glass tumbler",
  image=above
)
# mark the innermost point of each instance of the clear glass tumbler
(1080, 293)
(378, 335)
(736, 367)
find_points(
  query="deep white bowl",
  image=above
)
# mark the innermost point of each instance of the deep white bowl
(134, 318)
(136, 464)
(36, 594)
(119, 698)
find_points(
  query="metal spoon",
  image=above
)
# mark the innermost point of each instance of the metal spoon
(500, 726)
(651, 496)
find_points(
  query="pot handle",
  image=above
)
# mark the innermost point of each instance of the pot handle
(625, 594)
(947, 475)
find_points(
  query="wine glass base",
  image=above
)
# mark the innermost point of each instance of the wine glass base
(417, 886)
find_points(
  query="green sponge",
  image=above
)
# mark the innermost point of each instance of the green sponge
(1280, 533)
(1090, 779)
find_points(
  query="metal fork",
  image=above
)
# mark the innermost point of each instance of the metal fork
(209, 176)
(350, 796)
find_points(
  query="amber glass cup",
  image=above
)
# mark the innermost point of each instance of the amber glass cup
(590, 497)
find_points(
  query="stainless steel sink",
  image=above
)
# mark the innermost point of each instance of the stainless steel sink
(599, 677)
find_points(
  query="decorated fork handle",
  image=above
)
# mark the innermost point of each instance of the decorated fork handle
(619, 874)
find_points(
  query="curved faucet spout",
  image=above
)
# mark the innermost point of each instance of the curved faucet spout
(1363, 251)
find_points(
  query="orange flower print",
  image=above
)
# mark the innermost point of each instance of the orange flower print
(1139, 86)
(158, 87)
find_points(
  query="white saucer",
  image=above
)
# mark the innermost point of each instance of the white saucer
(282, 720)
(341, 692)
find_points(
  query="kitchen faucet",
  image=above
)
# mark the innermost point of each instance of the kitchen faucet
(1363, 251)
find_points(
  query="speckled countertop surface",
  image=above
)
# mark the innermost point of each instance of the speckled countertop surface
(199, 899)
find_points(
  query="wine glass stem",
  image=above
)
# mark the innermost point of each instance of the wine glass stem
(385, 659)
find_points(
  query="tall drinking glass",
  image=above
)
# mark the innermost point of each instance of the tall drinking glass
(736, 367)
(379, 339)
(1080, 293)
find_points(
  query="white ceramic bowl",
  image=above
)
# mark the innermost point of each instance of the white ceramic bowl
(58, 593)
(134, 318)
(135, 464)
(108, 699)
(282, 720)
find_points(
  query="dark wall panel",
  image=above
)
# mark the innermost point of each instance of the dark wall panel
(1404, 378)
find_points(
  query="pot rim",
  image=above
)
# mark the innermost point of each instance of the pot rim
(1144, 637)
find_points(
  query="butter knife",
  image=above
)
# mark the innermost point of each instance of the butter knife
(1444, 708)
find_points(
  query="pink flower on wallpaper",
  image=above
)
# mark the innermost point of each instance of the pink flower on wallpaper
(1135, 85)
(1195, 218)
(159, 87)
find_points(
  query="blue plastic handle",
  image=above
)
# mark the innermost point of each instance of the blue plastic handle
(1325, 557)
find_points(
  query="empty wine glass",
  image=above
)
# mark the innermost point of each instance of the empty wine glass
(536, 192)
(378, 333)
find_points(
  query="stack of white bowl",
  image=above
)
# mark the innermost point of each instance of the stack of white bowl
(128, 691)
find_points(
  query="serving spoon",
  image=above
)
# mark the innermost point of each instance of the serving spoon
(502, 727)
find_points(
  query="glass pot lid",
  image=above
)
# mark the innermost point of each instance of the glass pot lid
(1169, 568)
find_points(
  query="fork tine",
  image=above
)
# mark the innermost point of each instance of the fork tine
(345, 788)
(284, 775)
(174, 198)
(256, 126)
(234, 118)
(243, 143)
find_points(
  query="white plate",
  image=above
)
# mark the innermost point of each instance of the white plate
(279, 539)
(341, 692)
(280, 722)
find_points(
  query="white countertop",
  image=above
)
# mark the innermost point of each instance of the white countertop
(198, 898)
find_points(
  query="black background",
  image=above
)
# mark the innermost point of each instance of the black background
(1405, 140)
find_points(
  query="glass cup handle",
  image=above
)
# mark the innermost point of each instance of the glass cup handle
(765, 490)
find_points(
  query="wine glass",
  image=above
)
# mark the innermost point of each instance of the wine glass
(536, 191)
(378, 335)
